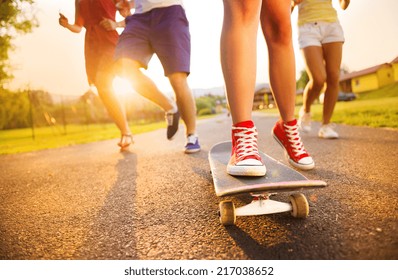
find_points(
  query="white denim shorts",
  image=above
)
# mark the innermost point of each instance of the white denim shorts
(319, 33)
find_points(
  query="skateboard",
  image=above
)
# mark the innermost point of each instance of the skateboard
(279, 178)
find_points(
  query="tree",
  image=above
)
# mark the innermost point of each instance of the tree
(16, 17)
(303, 80)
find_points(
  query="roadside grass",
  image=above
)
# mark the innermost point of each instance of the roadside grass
(374, 109)
(21, 140)
(377, 108)
(372, 113)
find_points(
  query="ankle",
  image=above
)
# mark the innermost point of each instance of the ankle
(173, 110)
(247, 124)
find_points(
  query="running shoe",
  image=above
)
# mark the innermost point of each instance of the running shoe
(192, 145)
(304, 121)
(326, 131)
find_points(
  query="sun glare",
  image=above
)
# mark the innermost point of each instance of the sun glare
(122, 87)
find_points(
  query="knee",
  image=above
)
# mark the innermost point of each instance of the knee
(127, 68)
(318, 81)
(103, 81)
(333, 78)
(245, 13)
(277, 31)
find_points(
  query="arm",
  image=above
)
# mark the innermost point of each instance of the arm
(77, 26)
(344, 4)
(124, 7)
(110, 25)
(63, 21)
(294, 3)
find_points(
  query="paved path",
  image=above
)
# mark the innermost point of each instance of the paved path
(92, 202)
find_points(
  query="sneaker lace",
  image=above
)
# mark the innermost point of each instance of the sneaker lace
(246, 142)
(294, 139)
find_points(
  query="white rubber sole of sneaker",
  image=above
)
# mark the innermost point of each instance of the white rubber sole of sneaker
(325, 136)
(300, 166)
(191, 151)
(292, 162)
(246, 170)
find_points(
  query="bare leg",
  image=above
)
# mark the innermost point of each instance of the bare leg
(277, 29)
(313, 56)
(333, 54)
(238, 55)
(185, 100)
(276, 25)
(112, 104)
(142, 84)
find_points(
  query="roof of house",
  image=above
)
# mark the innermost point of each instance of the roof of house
(367, 71)
(363, 72)
(395, 60)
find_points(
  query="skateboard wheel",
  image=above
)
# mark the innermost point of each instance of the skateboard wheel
(299, 205)
(227, 213)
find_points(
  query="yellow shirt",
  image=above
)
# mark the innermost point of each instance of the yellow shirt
(316, 10)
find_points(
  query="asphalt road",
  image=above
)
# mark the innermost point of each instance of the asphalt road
(155, 202)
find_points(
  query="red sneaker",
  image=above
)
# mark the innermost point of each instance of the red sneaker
(287, 135)
(245, 158)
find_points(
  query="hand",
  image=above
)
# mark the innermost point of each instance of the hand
(108, 24)
(296, 2)
(344, 4)
(124, 7)
(63, 21)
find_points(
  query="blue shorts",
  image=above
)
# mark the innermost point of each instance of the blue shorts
(161, 31)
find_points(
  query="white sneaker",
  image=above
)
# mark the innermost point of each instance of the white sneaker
(326, 131)
(304, 121)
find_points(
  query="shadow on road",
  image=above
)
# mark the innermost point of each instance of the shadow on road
(112, 235)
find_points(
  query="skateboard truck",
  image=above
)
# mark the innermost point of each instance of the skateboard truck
(262, 205)
(279, 178)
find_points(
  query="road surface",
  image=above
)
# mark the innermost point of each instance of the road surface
(155, 202)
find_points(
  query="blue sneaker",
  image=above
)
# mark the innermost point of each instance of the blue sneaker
(192, 145)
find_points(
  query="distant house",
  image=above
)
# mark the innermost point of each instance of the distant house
(395, 68)
(263, 97)
(371, 78)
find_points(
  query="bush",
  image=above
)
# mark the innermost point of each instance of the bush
(205, 111)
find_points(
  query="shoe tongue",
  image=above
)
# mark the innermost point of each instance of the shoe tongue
(247, 124)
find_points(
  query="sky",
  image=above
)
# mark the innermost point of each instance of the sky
(51, 58)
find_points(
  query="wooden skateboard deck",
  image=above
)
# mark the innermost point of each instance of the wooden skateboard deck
(279, 178)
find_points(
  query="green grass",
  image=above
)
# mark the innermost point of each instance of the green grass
(373, 113)
(21, 140)
(374, 109)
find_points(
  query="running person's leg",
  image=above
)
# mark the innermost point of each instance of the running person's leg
(171, 42)
(113, 106)
(313, 56)
(99, 68)
(134, 52)
(332, 57)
